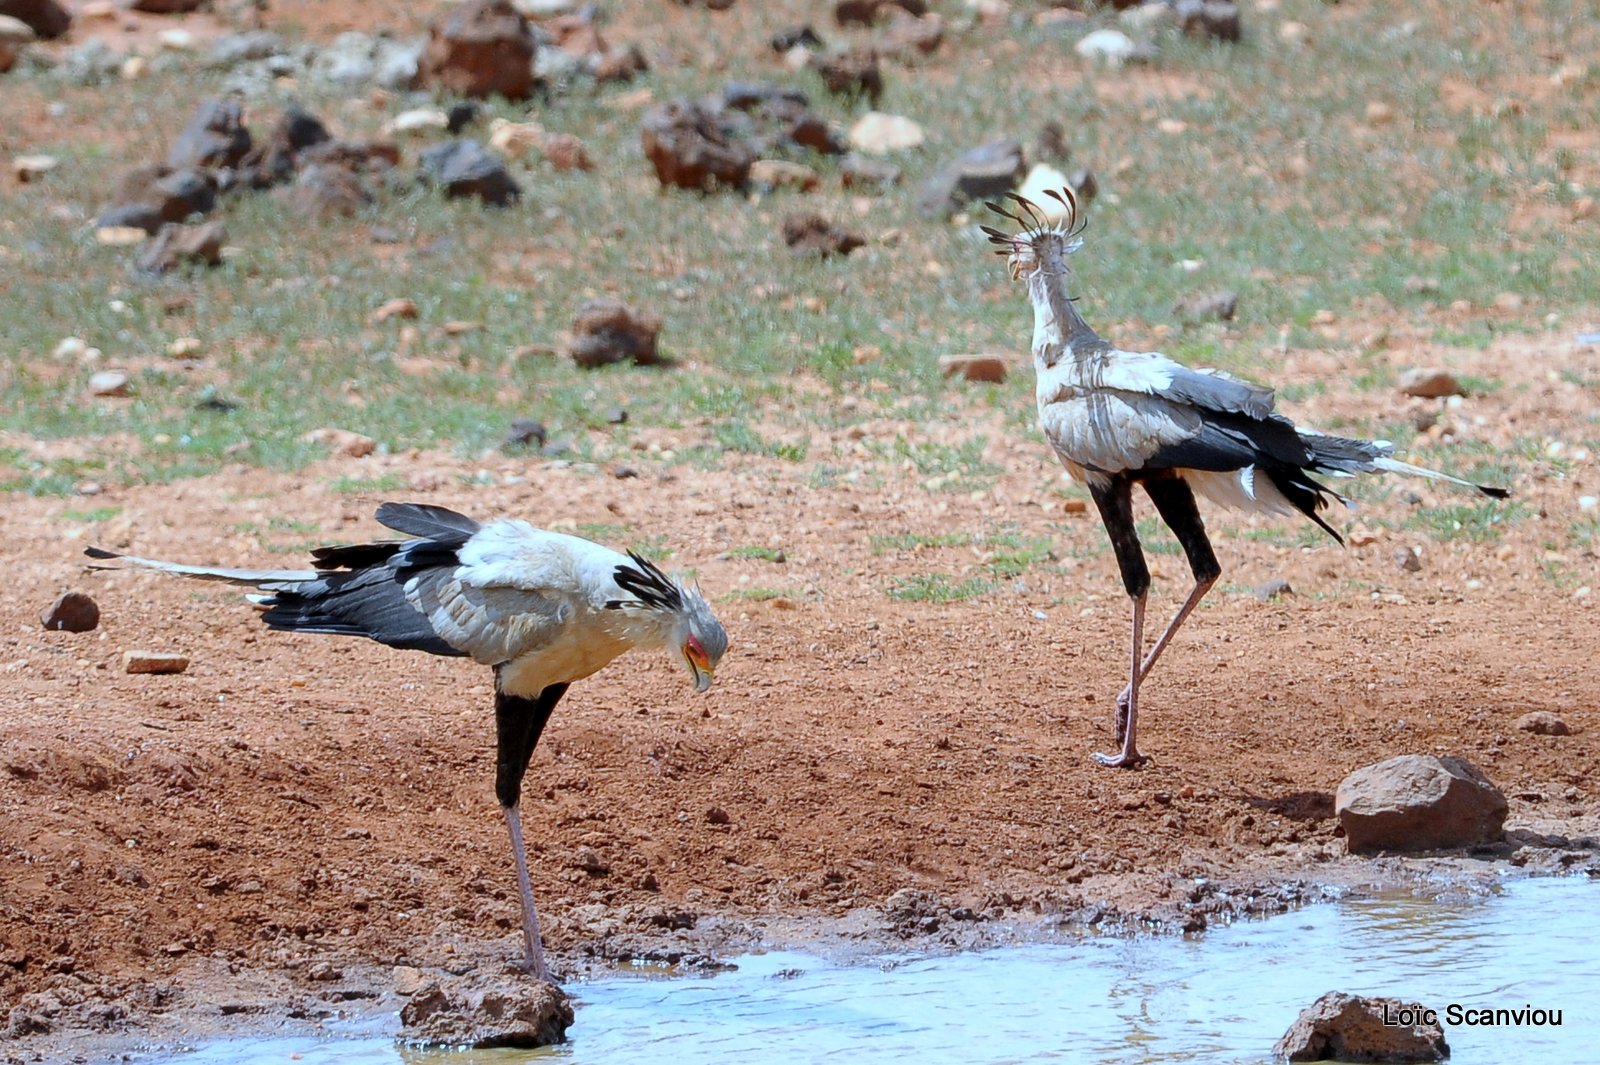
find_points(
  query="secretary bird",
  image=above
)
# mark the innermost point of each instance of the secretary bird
(544, 609)
(1119, 418)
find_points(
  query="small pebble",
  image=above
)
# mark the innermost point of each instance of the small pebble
(154, 662)
(1543, 723)
(72, 612)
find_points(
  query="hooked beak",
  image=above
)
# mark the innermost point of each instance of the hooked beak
(699, 670)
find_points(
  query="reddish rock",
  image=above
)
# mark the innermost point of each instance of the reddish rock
(814, 235)
(853, 73)
(45, 17)
(1419, 802)
(689, 147)
(608, 331)
(482, 48)
(154, 662)
(1341, 1027)
(483, 1012)
(1543, 723)
(988, 369)
(71, 612)
(178, 244)
(325, 189)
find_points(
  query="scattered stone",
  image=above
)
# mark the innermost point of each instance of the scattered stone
(419, 120)
(986, 172)
(1543, 723)
(563, 152)
(343, 441)
(623, 473)
(251, 46)
(1342, 1027)
(481, 48)
(71, 612)
(792, 37)
(749, 95)
(1430, 384)
(514, 1011)
(852, 73)
(325, 189)
(177, 244)
(46, 18)
(616, 416)
(814, 235)
(867, 12)
(395, 308)
(859, 172)
(275, 160)
(1419, 802)
(1216, 20)
(1267, 591)
(166, 7)
(516, 139)
(408, 981)
(771, 174)
(149, 196)
(1407, 560)
(525, 433)
(29, 168)
(987, 369)
(1084, 184)
(1110, 47)
(467, 168)
(120, 235)
(689, 147)
(462, 115)
(15, 35)
(360, 156)
(108, 384)
(878, 134)
(909, 38)
(1208, 307)
(154, 662)
(215, 137)
(608, 331)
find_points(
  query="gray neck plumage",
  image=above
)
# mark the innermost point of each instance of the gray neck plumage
(1058, 329)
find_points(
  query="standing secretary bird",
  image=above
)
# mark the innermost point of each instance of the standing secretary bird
(1119, 418)
(542, 608)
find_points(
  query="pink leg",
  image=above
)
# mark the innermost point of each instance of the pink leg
(1128, 717)
(532, 945)
(1199, 593)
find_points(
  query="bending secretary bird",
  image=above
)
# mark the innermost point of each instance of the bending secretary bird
(1119, 418)
(544, 609)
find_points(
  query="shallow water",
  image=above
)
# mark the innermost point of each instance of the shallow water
(1224, 997)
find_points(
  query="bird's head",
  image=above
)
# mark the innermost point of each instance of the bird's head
(1040, 246)
(685, 621)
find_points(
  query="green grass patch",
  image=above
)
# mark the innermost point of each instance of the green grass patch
(1477, 522)
(883, 543)
(758, 552)
(938, 588)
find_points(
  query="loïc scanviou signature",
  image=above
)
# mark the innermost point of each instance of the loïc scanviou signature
(1456, 1014)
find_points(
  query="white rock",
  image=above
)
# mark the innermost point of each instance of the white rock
(878, 133)
(543, 8)
(1149, 17)
(15, 32)
(70, 348)
(419, 120)
(515, 139)
(1042, 179)
(177, 40)
(109, 383)
(1588, 502)
(1112, 47)
(29, 167)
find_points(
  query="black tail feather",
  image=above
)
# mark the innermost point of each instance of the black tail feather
(429, 522)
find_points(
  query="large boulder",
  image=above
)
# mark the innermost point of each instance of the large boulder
(482, 48)
(1419, 802)
(1341, 1027)
(463, 1012)
(688, 144)
(45, 17)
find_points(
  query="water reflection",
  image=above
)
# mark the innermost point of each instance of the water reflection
(1221, 998)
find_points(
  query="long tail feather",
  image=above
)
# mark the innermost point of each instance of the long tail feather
(1392, 465)
(254, 578)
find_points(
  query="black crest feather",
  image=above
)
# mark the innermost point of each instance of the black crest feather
(646, 583)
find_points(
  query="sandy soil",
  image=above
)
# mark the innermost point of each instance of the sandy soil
(270, 831)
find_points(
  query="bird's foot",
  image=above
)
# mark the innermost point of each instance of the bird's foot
(1127, 758)
(1123, 702)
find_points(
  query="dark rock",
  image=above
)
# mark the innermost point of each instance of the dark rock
(178, 244)
(867, 12)
(1208, 307)
(523, 433)
(616, 416)
(324, 189)
(467, 168)
(1216, 20)
(216, 136)
(608, 331)
(360, 156)
(1084, 184)
(1407, 560)
(624, 473)
(853, 73)
(274, 160)
(801, 36)
(813, 234)
(986, 172)
(1419, 802)
(45, 17)
(71, 612)
(1541, 723)
(690, 147)
(480, 1013)
(481, 48)
(556, 449)
(858, 171)
(1427, 383)
(150, 195)
(166, 7)
(622, 63)
(748, 95)
(1341, 1027)
(461, 115)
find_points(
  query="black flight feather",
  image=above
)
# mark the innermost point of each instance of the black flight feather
(646, 583)
(429, 522)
